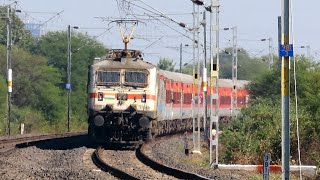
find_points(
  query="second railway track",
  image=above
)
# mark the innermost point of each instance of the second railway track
(9, 144)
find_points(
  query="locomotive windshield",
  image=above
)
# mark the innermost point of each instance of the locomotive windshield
(108, 77)
(136, 78)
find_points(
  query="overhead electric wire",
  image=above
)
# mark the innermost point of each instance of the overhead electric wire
(27, 14)
(95, 37)
(158, 13)
(162, 14)
(153, 43)
(170, 14)
(173, 28)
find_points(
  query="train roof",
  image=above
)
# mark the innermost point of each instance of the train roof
(120, 59)
(122, 63)
(185, 78)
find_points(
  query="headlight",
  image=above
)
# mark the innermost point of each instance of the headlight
(100, 96)
(143, 98)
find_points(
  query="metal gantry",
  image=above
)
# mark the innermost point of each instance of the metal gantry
(214, 80)
(270, 62)
(234, 97)
(196, 80)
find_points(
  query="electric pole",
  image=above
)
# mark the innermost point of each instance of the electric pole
(9, 70)
(279, 36)
(285, 79)
(180, 57)
(214, 79)
(270, 53)
(68, 86)
(204, 73)
(234, 97)
(196, 80)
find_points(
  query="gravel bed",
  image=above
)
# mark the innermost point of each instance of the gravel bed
(127, 161)
(171, 152)
(54, 159)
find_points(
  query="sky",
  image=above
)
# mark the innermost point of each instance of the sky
(254, 19)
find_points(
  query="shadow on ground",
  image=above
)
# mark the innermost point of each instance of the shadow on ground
(61, 143)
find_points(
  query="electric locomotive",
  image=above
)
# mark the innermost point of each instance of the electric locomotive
(122, 97)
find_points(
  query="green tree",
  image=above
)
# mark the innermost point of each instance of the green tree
(258, 130)
(248, 68)
(21, 37)
(166, 64)
(187, 69)
(54, 46)
(35, 84)
(258, 127)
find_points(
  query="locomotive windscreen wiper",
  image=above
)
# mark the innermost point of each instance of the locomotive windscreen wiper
(134, 85)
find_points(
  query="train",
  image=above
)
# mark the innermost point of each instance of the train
(132, 100)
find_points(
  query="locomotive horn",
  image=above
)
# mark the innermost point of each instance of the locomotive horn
(144, 122)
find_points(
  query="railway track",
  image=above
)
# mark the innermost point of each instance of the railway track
(135, 164)
(7, 145)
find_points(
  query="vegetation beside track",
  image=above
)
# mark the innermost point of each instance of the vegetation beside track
(258, 129)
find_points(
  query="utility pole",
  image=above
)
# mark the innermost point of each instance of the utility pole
(9, 70)
(180, 57)
(279, 37)
(270, 53)
(204, 72)
(68, 85)
(196, 80)
(194, 76)
(234, 97)
(285, 79)
(214, 79)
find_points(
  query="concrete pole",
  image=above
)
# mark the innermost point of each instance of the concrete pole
(234, 71)
(9, 70)
(69, 74)
(279, 36)
(198, 72)
(193, 73)
(270, 53)
(204, 71)
(309, 52)
(211, 80)
(285, 79)
(180, 57)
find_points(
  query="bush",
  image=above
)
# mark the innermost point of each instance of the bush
(258, 130)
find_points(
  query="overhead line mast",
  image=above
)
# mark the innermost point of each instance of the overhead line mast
(214, 79)
(285, 85)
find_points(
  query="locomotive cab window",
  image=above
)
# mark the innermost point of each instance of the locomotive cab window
(108, 77)
(136, 78)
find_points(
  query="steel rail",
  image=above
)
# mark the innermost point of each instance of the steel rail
(96, 157)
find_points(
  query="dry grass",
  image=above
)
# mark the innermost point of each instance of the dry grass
(202, 160)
